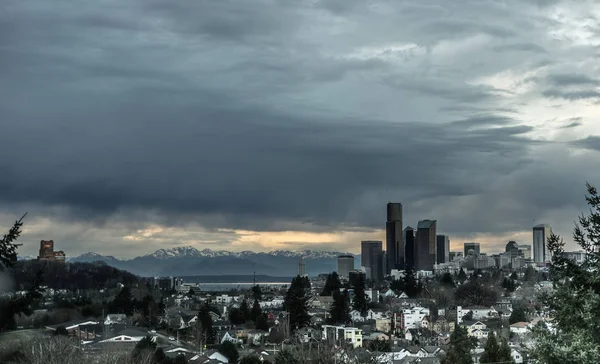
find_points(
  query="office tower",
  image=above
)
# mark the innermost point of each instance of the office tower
(541, 233)
(513, 250)
(371, 255)
(394, 244)
(526, 250)
(301, 267)
(345, 265)
(443, 249)
(425, 245)
(472, 246)
(409, 248)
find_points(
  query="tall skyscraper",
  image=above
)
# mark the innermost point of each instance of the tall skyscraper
(345, 265)
(541, 233)
(443, 249)
(409, 248)
(425, 245)
(301, 267)
(371, 255)
(472, 246)
(394, 243)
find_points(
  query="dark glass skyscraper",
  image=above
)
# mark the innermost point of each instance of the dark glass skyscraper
(371, 258)
(394, 244)
(472, 246)
(443, 249)
(409, 248)
(425, 245)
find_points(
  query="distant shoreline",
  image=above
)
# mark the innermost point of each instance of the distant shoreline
(239, 279)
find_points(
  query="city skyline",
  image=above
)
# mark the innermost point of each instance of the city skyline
(129, 133)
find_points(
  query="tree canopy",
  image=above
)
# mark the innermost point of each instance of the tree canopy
(574, 303)
(332, 284)
(339, 313)
(296, 302)
(359, 303)
(459, 351)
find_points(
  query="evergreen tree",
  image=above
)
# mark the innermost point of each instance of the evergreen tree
(180, 359)
(575, 300)
(256, 293)
(332, 284)
(412, 286)
(504, 353)
(147, 344)
(517, 315)
(251, 359)
(236, 317)
(462, 276)
(459, 351)
(8, 249)
(339, 312)
(123, 302)
(296, 302)
(530, 274)
(256, 311)
(491, 353)
(359, 302)
(228, 349)
(245, 310)
(261, 323)
(206, 324)
(447, 281)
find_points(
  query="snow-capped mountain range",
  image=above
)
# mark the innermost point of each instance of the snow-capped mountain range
(189, 261)
(191, 252)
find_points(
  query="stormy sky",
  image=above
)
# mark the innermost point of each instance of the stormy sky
(133, 125)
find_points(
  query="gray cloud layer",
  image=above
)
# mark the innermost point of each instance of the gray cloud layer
(265, 115)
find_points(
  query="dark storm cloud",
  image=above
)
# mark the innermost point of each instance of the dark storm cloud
(572, 80)
(591, 142)
(266, 115)
(572, 95)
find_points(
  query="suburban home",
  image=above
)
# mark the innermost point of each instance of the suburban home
(479, 312)
(476, 329)
(323, 302)
(425, 322)
(383, 324)
(519, 328)
(226, 335)
(257, 337)
(209, 357)
(341, 334)
(71, 326)
(118, 318)
(441, 325)
(307, 334)
(127, 335)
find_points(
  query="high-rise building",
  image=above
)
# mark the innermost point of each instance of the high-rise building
(372, 258)
(394, 243)
(409, 248)
(425, 245)
(345, 265)
(526, 249)
(301, 267)
(513, 249)
(541, 233)
(475, 247)
(443, 249)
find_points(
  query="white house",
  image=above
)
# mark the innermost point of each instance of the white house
(349, 335)
(128, 335)
(229, 336)
(412, 318)
(519, 328)
(115, 319)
